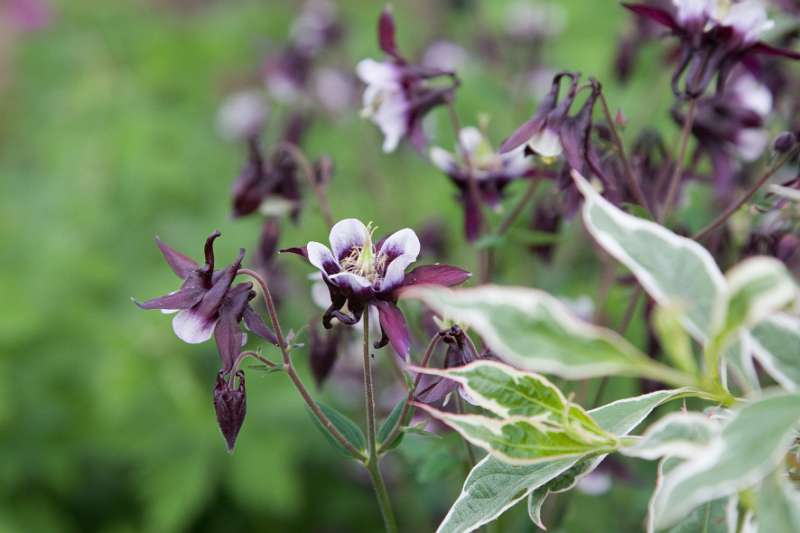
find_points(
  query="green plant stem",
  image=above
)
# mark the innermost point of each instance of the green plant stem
(731, 209)
(516, 211)
(395, 432)
(372, 463)
(471, 460)
(633, 183)
(288, 367)
(675, 182)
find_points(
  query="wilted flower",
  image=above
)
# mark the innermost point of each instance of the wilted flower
(230, 404)
(491, 170)
(323, 350)
(460, 352)
(715, 36)
(541, 133)
(359, 273)
(207, 305)
(397, 97)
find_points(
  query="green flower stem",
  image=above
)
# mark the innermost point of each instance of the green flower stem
(299, 157)
(675, 181)
(292, 373)
(372, 463)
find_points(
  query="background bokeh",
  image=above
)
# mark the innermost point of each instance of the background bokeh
(108, 137)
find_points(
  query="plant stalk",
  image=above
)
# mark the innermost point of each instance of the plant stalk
(675, 181)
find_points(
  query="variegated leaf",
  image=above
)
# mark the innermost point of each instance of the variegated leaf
(676, 435)
(776, 345)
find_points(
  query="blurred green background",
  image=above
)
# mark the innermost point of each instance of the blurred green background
(107, 138)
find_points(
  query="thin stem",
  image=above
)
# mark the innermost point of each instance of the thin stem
(633, 183)
(725, 215)
(399, 424)
(292, 373)
(512, 215)
(250, 353)
(372, 460)
(297, 154)
(679, 161)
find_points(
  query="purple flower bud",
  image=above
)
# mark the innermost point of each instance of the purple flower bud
(251, 185)
(324, 349)
(784, 142)
(230, 404)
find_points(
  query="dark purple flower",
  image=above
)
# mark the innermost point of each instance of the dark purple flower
(317, 27)
(546, 220)
(714, 38)
(492, 172)
(630, 44)
(460, 352)
(242, 115)
(541, 133)
(252, 183)
(287, 73)
(359, 273)
(784, 142)
(397, 96)
(206, 303)
(729, 127)
(230, 404)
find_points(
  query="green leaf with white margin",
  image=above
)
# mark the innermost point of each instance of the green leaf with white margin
(562, 483)
(749, 446)
(778, 505)
(757, 288)
(776, 345)
(674, 270)
(738, 356)
(676, 435)
(508, 392)
(493, 486)
(716, 516)
(535, 331)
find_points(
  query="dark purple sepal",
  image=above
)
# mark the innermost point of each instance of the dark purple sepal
(181, 299)
(298, 250)
(227, 333)
(769, 50)
(230, 405)
(394, 327)
(255, 323)
(386, 33)
(445, 275)
(656, 14)
(181, 264)
(324, 350)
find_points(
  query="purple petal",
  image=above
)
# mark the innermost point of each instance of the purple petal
(346, 235)
(386, 33)
(227, 333)
(212, 300)
(298, 250)
(255, 324)
(656, 14)
(181, 264)
(182, 299)
(445, 275)
(394, 325)
(522, 134)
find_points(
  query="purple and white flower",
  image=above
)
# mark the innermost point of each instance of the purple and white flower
(715, 35)
(397, 98)
(492, 171)
(362, 274)
(207, 304)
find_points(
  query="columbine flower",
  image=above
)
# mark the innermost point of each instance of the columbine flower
(492, 172)
(242, 115)
(359, 274)
(541, 134)
(730, 126)
(715, 36)
(397, 98)
(230, 404)
(207, 305)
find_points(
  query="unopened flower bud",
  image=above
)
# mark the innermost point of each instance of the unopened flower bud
(784, 142)
(231, 405)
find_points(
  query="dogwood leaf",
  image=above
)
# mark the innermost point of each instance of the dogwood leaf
(776, 345)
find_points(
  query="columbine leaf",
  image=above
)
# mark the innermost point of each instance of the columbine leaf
(493, 486)
(778, 505)
(535, 331)
(674, 270)
(757, 288)
(749, 446)
(390, 422)
(676, 435)
(346, 427)
(776, 345)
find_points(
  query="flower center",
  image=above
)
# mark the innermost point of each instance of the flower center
(363, 261)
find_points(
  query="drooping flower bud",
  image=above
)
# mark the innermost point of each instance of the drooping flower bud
(784, 142)
(230, 404)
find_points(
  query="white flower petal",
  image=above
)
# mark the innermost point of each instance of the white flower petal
(748, 18)
(346, 234)
(515, 162)
(374, 72)
(320, 256)
(470, 138)
(401, 249)
(751, 143)
(754, 95)
(191, 327)
(442, 159)
(356, 283)
(546, 143)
